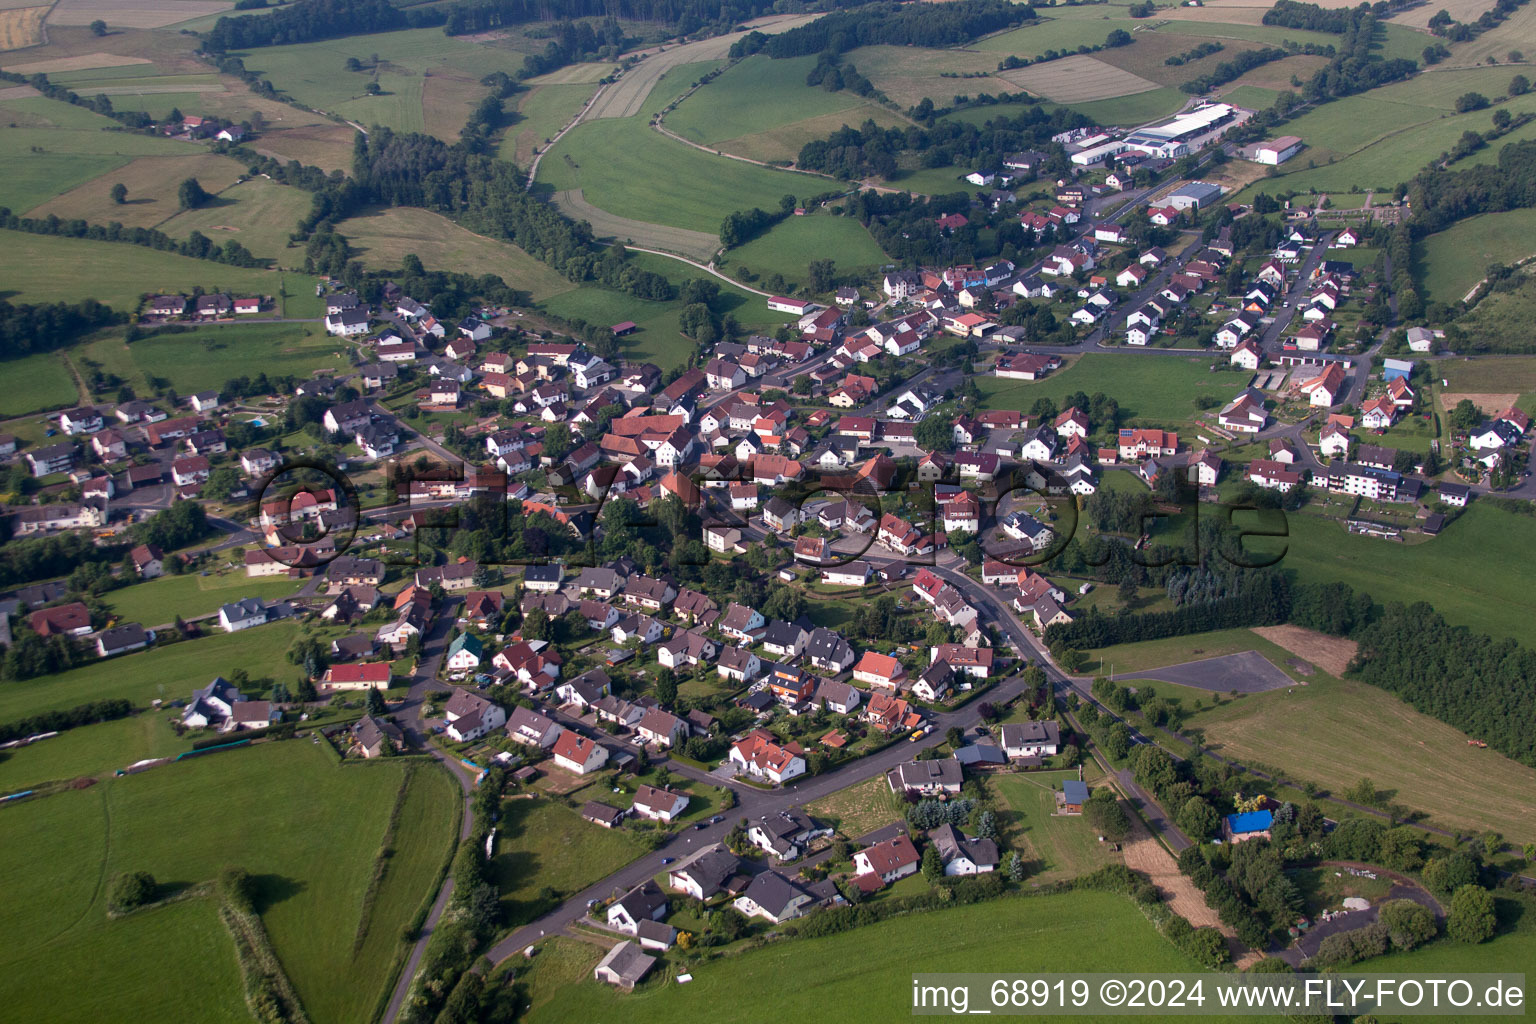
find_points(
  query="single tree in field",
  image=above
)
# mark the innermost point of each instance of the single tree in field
(191, 194)
(98, 27)
(119, 193)
(375, 701)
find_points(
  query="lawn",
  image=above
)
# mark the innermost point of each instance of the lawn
(49, 384)
(158, 602)
(754, 96)
(429, 81)
(790, 246)
(1056, 847)
(614, 162)
(47, 268)
(383, 237)
(206, 357)
(1335, 732)
(309, 832)
(543, 843)
(1512, 948)
(860, 809)
(869, 970)
(1151, 390)
(42, 162)
(169, 673)
(1454, 259)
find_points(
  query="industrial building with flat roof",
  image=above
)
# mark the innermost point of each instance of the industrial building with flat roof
(1183, 134)
(1195, 194)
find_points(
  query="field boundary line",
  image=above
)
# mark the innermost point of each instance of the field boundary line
(707, 268)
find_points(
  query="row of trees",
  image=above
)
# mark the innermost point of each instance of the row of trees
(1230, 70)
(309, 20)
(196, 245)
(854, 152)
(42, 327)
(1259, 598)
(889, 24)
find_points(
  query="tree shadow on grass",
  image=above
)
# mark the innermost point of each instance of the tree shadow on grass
(269, 890)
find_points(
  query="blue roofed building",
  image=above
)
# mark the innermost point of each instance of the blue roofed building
(1248, 825)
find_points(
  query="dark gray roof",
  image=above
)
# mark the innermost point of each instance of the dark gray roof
(773, 892)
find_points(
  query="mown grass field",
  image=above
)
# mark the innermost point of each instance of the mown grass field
(1454, 259)
(48, 383)
(429, 81)
(308, 831)
(545, 843)
(1335, 732)
(1063, 29)
(909, 74)
(1475, 573)
(48, 268)
(867, 972)
(208, 357)
(543, 111)
(1134, 109)
(790, 246)
(614, 162)
(755, 95)
(42, 162)
(158, 602)
(784, 142)
(169, 673)
(385, 236)
(260, 214)
(152, 183)
(1488, 375)
(1151, 391)
(859, 809)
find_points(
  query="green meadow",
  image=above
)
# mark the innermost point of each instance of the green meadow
(1151, 390)
(48, 268)
(867, 972)
(788, 248)
(614, 162)
(168, 673)
(1453, 260)
(206, 357)
(49, 384)
(754, 96)
(308, 831)
(42, 161)
(428, 81)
